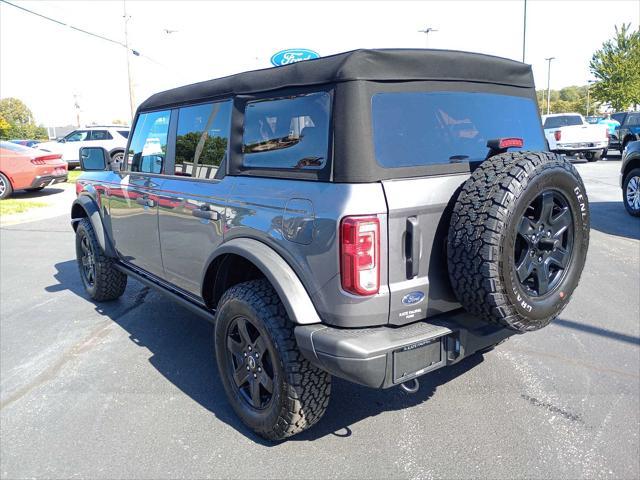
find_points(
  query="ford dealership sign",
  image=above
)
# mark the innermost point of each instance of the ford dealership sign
(293, 55)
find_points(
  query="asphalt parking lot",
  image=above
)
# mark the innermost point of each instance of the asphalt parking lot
(129, 389)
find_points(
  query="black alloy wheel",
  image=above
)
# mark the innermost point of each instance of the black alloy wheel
(87, 260)
(251, 363)
(544, 243)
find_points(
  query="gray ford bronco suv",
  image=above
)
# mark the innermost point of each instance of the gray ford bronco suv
(373, 215)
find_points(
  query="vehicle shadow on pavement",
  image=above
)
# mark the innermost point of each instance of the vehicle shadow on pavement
(181, 344)
(47, 192)
(613, 219)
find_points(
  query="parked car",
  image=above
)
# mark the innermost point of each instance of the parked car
(26, 143)
(628, 131)
(24, 168)
(570, 134)
(630, 178)
(365, 215)
(112, 138)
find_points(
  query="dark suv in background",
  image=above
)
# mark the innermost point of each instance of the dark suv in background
(366, 215)
(628, 131)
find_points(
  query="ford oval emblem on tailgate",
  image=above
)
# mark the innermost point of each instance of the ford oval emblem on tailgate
(293, 55)
(413, 298)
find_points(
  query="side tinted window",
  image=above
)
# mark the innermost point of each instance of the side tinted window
(124, 133)
(633, 120)
(287, 132)
(100, 135)
(426, 128)
(202, 140)
(77, 136)
(148, 147)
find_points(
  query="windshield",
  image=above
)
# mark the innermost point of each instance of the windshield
(426, 128)
(562, 121)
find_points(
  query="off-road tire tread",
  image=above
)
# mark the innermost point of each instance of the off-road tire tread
(110, 282)
(308, 388)
(481, 212)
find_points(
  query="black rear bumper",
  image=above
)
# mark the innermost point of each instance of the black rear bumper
(46, 180)
(382, 357)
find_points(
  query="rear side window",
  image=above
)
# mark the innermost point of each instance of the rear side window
(562, 121)
(428, 128)
(148, 147)
(287, 133)
(124, 133)
(203, 139)
(100, 135)
(633, 120)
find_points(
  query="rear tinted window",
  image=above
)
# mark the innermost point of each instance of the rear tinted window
(419, 128)
(287, 132)
(562, 121)
(124, 133)
(203, 136)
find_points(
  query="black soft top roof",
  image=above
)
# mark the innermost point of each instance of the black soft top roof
(374, 65)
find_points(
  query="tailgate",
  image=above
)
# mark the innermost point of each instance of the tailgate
(582, 134)
(418, 222)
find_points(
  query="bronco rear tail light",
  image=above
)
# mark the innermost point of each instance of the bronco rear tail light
(557, 135)
(360, 255)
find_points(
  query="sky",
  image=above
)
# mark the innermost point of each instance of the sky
(46, 64)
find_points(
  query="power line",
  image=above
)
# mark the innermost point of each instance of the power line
(81, 30)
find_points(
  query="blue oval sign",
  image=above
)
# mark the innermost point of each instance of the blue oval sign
(293, 55)
(413, 298)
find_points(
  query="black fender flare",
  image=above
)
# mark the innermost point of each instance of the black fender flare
(286, 283)
(92, 212)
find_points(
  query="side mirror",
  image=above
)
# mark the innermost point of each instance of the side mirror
(93, 159)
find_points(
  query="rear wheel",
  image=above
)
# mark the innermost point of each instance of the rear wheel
(594, 156)
(518, 239)
(631, 192)
(117, 157)
(272, 388)
(101, 280)
(5, 187)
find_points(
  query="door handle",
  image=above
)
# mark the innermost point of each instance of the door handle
(145, 202)
(206, 213)
(412, 247)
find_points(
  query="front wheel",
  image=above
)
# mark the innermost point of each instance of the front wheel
(272, 388)
(101, 279)
(631, 192)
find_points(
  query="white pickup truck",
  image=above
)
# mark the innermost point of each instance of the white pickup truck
(569, 133)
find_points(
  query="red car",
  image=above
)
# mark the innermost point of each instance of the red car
(24, 168)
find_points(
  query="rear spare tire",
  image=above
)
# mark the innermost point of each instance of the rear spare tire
(518, 239)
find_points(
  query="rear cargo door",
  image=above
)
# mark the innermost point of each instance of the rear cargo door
(418, 221)
(436, 137)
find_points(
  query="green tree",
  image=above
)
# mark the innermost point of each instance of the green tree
(16, 121)
(568, 99)
(616, 66)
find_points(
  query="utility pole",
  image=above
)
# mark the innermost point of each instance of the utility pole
(426, 32)
(549, 83)
(589, 82)
(126, 44)
(524, 31)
